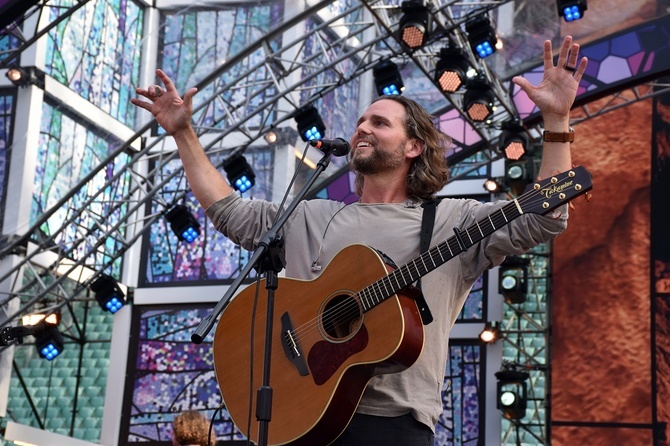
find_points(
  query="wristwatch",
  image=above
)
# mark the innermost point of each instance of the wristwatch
(559, 136)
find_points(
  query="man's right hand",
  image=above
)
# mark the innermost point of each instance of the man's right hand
(171, 111)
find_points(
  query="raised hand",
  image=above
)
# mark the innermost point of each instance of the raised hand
(171, 111)
(556, 93)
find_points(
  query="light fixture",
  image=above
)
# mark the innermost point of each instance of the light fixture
(571, 10)
(271, 137)
(519, 174)
(108, 293)
(512, 398)
(387, 78)
(481, 35)
(451, 70)
(23, 76)
(414, 25)
(491, 333)
(184, 225)
(513, 142)
(494, 185)
(513, 279)
(478, 100)
(49, 343)
(310, 124)
(240, 174)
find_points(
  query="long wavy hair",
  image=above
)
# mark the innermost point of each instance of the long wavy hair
(429, 171)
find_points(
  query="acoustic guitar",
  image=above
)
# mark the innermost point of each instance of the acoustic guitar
(332, 334)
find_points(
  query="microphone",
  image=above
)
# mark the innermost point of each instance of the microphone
(335, 147)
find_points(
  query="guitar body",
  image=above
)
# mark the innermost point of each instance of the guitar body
(318, 385)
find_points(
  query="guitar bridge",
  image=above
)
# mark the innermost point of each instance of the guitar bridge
(291, 346)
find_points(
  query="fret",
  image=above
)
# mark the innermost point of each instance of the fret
(502, 211)
(396, 278)
(480, 229)
(439, 251)
(430, 255)
(424, 263)
(470, 237)
(492, 225)
(450, 251)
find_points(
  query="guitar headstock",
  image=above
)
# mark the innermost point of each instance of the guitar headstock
(546, 195)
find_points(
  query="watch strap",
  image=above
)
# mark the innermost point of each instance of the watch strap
(559, 136)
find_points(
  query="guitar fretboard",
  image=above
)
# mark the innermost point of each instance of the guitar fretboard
(441, 253)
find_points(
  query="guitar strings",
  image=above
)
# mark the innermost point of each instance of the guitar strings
(349, 308)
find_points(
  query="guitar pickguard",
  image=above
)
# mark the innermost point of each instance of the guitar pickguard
(326, 357)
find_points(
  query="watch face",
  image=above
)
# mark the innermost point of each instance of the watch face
(507, 398)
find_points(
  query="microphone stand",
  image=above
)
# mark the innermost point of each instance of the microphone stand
(269, 256)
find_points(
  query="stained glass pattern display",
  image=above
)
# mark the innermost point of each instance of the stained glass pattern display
(6, 115)
(195, 43)
(460, 422)
(68, 151)
(8, 43)
(170, 374)
(96, 52)
(211, 256)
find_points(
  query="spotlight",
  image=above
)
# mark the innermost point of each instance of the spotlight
(271, 137)
(491, 333)
(108, 293)
(482, 36)
(34, 318)
(240, 174)
(387, 78)
(23, 76)
(49, 343)
(512, 393)
(519, 174)
(183, 223)
(571, 10)
(414, 26)
(494, 185)
(310, 124)
(451, 70)
(513, 279)
(478, 101)
(513, 143)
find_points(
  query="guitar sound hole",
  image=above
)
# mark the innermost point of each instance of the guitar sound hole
(341, 318)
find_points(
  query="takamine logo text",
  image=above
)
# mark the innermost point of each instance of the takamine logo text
(555, 189)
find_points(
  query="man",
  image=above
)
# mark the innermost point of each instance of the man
(399, 160)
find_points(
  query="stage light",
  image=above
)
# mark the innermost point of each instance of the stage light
(513, 142)
(184, 225)
(519, 174)
(23, 76)
(240, 174)
(451, 70)
(271, 137)
(571, 10)
(512, 393)
(491, 333)
(387, 78)
(513, 279)
(479, 100)
(414, 26)
(310, 124)
(494, 185)
(49, 343)
(482, 36)
(108, 293)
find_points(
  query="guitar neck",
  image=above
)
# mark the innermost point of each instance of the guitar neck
(441, 253)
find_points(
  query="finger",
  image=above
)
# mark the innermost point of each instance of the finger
(143, 92)
(574, 53)
(563, 54)
(141, 104)
(581, 69)
(548, 57)
(188, 97)
(169, 86)
(523, 83)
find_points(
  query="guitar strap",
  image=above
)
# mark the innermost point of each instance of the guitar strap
(427, 225)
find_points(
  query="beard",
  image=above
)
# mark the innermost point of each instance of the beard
(378, 160)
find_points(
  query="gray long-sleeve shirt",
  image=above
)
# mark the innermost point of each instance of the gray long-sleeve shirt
(319, 229)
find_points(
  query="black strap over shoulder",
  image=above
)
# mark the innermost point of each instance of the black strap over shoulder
(427, 225)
